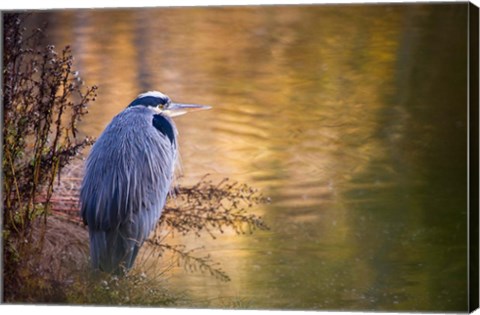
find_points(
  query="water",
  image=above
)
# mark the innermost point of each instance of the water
(352, 119)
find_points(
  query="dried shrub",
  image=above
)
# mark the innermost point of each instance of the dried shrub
(43, 101)
(213, 207)
(210, 208)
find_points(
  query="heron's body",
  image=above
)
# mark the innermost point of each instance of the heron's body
(127, 178)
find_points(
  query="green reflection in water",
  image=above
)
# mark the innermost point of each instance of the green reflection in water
(351, 118)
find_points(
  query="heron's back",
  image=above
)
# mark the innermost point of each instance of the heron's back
(127, 178)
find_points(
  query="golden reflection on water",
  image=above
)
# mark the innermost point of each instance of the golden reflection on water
(320, 108)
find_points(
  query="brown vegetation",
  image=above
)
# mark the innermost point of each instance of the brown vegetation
(43, 102)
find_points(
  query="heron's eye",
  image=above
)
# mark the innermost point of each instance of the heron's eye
(166, 105)
(161, 106)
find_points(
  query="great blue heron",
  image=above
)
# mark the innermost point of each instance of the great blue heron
(127, 178)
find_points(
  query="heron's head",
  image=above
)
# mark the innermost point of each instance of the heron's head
(162, 104)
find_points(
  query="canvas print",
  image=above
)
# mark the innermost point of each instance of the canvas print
(281, 157)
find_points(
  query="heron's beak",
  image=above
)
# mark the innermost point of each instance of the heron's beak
(177, 109)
